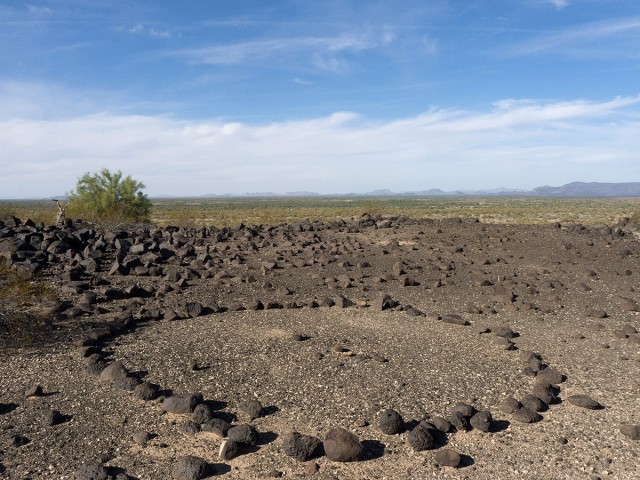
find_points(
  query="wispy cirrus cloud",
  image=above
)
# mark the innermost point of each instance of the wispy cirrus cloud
(39, 10)
(321, 50)
(143, 29)
(586, 39)
(517, 143)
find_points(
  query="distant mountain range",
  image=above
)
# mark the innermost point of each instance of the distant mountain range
(574, 189)
(593, 189)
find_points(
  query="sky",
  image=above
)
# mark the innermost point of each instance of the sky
(214, 97)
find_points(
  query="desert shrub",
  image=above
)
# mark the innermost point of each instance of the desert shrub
(108, 197)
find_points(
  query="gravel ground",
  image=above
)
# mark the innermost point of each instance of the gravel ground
(318, 368)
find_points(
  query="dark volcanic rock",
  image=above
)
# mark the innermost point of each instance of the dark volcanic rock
(342, 446)
(506, 343)
(244, 433)
(342, 302)
(216, 425)
(550, 375)
(421, 439)
(524, 415)
(92, 471)
(482, 421)
(583, 401)
(441, 424)
(533, 403)
(229, 449)
(189, 468)
(465, 409)
(188, 428)
(194, 309)
(202, 413)
(454, 319)
(501, 295)
(253, 408)
(448, 458)
(412, 311)
(182, 403)
(384, 302)
(510, 405)
(390, 422)
(459, 421)
(301, 447)
(146, 391)
(545, 392)
(504, 332)
(113, 371)
(127, 383)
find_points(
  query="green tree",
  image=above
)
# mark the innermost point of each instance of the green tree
(107, 196)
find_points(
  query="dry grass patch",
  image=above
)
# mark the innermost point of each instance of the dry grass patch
(26, 306)
(230, 212)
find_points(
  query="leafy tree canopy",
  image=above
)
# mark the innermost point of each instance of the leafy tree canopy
(110, 197)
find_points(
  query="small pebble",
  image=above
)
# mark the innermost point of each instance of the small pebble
(52, 417)
(142, 438)
(311, 468)
(35, 391)
(631, 431)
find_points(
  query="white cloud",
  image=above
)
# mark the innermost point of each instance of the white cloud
(430, 46)
(39, 11)
(586, 39)
(560, 4)
(141, 29)
(519, 143)
(154, 32)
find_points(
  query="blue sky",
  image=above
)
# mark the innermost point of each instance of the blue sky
(221, 97)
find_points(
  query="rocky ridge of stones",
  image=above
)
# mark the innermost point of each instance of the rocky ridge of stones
(90, 266)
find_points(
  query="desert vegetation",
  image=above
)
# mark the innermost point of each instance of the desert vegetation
(220, 212)
(109, 197)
